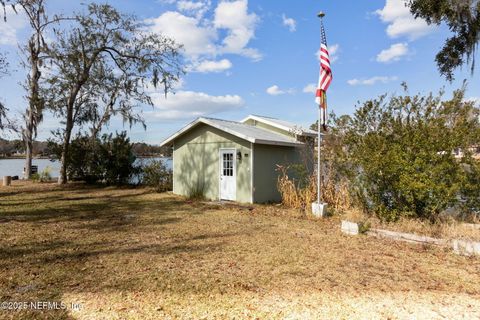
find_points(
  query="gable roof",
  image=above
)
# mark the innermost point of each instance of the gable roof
(281, 124)
(244, 131)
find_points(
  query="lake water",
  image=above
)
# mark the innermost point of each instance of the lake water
(14, 167)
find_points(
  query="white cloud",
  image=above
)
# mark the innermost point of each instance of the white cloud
(197, 39)
(310, 88)
(212, 66)
(290, 23)
(394, 53)
(275, 91)
(190, 104)
(228, 31)
(240, 25)
(9, 29)
(371, 81)
(198, 8)
(333, 51)
(401, 22)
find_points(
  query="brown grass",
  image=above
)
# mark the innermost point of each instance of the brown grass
(133, 254)
(293, 196)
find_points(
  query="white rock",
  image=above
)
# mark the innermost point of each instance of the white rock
(350, 228)
(466, 248)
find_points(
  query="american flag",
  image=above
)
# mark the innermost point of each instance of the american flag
(325, 76)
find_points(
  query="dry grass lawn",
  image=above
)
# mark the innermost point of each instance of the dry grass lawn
(134, 254)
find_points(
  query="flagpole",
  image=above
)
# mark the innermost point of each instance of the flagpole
(318, 207)
(318, 155)
(321, 14)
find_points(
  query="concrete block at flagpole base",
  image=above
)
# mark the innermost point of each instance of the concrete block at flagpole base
(319, 209)
(350, 228)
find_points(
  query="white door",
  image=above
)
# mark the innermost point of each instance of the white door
(228, 183)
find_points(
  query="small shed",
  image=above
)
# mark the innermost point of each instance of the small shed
(229, 160)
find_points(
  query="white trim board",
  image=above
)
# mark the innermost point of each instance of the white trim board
(230, 131)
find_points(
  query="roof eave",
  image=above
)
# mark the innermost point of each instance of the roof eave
(278, 143)
(170, 139)
(276, 125)
(180, 132)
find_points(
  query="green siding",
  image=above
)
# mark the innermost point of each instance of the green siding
(265, 176)
(196, 163)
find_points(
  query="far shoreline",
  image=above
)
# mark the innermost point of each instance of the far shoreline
(48, 158)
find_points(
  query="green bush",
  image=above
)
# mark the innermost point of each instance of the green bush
(44, 176)
(156, 175)
(107, 159)
(398, 155)
(35, 177)
(116, 159)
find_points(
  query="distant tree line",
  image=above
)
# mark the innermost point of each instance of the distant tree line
(9, 148)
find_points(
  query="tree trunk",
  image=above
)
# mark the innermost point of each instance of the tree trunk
(28, 157)
(66, 144)
(68, 133)
(28, 140)
(33, 113)
(62, 179)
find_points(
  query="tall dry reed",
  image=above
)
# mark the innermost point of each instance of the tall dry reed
(294, 195)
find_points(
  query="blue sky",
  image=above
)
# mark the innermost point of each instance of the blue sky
(259, 57)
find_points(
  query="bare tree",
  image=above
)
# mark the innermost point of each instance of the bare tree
(34, 51)
(5, 123)
(105, 60)
(3, 71)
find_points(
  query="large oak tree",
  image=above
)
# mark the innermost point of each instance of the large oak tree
(463, 19)
(102, 66)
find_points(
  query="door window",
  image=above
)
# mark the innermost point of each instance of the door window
(228, 164)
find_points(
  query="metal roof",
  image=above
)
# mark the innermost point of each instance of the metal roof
(244, 131)
(281, 124)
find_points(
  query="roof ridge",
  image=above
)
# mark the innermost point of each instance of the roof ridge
(230, 121)
(257, 115)
(250, 127)
(217, 119)
(244, 131)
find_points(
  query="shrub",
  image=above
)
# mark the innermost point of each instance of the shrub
(156, 175)
(35, 177)
(398, 155)
(44, 176)
(116, 159)
(107, 159)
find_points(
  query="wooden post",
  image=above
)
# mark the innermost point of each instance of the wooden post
(7, 180)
